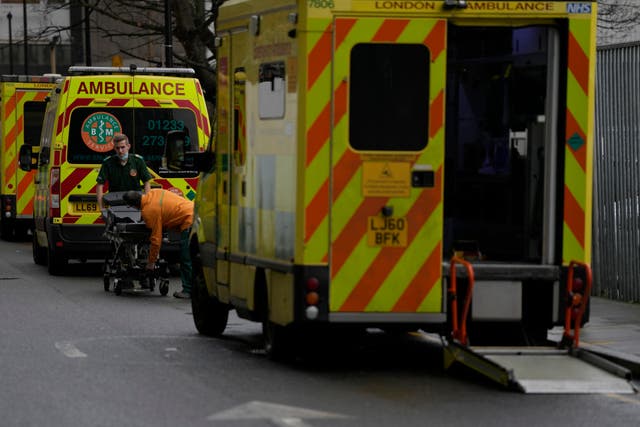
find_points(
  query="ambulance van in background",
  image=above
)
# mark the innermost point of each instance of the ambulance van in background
(22, 105)
(87, 108)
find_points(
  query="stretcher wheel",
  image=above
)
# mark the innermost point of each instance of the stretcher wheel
(164, 287)
(117, 287)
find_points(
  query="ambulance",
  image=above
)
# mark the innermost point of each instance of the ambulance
(401, 165)
(91, 104)
(22, 105)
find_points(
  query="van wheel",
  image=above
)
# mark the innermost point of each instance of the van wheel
(278, 341)
(39, 253)
(209, 315)
(6, 231)
(57, 264)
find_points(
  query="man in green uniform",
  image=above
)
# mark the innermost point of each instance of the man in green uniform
(123, 172)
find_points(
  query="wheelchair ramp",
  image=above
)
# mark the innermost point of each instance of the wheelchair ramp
(543, 369)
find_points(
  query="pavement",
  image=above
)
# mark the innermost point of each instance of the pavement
(613, 331)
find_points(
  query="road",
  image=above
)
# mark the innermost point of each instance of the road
(74, 355)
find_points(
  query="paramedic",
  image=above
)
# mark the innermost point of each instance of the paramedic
(123, 172)
(163, 209)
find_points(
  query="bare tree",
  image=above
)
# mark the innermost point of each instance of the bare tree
(135, 29)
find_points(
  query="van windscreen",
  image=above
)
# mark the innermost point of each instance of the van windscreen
(92, 129)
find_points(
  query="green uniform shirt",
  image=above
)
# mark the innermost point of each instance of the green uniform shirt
(123, 178)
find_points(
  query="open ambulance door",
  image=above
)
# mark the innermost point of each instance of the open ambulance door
(387, 155)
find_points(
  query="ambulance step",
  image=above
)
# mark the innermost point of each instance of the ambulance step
(542, 369)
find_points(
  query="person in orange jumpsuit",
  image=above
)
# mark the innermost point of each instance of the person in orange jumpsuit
(161, 209)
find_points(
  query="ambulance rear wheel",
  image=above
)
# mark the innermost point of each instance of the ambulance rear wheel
(210, 316)
(57, 262)
(39, 253)
(278, 341)
(6, 230)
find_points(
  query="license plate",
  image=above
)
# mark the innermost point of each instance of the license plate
(85, 207)
(387, 231)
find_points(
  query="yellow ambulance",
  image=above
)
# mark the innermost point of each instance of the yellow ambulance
(87, 107)
(22, 105)
(361, 145)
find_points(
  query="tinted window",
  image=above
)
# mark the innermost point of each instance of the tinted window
(271, 90)
(33, 117)
(92, 130)
(389, 97)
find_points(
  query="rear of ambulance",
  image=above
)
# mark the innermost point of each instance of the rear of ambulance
(149, 106)
(374, 157)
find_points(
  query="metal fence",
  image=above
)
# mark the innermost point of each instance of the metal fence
(616, 202)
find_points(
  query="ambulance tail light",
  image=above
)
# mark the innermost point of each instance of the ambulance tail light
(312, 298)
(54, 192)
(7, 206)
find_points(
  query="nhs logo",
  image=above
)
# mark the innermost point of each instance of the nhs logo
(578, 7)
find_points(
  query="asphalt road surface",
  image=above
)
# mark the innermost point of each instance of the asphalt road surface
(74, 355)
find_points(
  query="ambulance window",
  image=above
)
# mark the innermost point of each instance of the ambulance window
(389, 97)
(91, 132)
(33, 118)
(271, 90)
(152, 126)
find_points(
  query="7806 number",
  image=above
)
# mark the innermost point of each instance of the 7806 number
(321, 4)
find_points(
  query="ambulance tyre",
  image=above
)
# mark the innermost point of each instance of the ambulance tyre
(39, 253)
(280, 343)
(6, 231)
(21, 231)
(210, 316)
(57, 262)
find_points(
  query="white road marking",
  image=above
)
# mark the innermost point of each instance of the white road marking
(280, 415)
(68, 349)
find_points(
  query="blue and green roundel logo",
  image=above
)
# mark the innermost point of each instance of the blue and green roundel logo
(98, 130)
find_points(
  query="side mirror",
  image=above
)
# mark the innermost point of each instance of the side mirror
(177, 144)
(27, 159)
(203, 161)
(180, 155)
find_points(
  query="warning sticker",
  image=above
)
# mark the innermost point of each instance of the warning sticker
(386, 179)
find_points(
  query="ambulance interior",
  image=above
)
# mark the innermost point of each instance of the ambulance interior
(502, 98)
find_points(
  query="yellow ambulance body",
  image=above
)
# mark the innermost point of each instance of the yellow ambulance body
(87, 108)
(22, 105)
(361, 144)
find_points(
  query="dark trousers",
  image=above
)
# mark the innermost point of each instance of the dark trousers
(185, 261)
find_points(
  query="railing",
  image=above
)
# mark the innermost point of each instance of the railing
(459, 326)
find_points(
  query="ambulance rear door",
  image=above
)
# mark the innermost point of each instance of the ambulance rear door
(30, 107)
(386, 223)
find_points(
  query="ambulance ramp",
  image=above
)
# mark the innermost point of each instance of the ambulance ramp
(542, 369)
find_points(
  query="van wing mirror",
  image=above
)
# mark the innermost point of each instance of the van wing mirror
(180, 154)
(203, 161)
(28, 158)
(177, 144)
